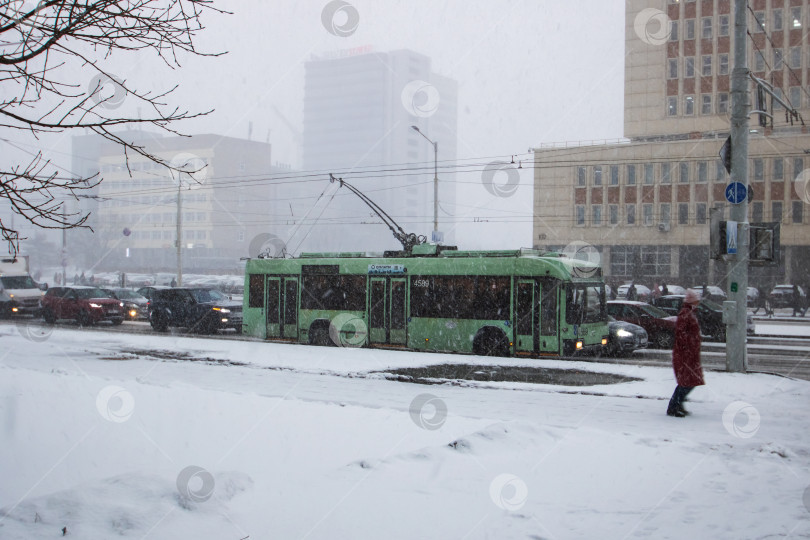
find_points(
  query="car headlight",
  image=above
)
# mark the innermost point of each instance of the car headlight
(621, 332)
(94, 305)
(222, 309)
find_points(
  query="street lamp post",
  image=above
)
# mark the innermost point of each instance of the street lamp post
(435, 182)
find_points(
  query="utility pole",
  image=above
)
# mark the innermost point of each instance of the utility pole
(435, 237)
(179, 243)
(736, 354)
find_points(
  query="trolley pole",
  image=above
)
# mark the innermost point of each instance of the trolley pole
(736, 354)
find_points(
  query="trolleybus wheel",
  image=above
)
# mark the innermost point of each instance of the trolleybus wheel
(491, 342)
(319, 334)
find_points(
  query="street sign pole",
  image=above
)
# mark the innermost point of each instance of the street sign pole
(736, 356)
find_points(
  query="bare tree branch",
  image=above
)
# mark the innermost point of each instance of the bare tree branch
(54, 41)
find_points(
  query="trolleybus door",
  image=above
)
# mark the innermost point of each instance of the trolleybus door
(289, 311)
(274, 306)
(387, 319)
(377, 307)
(525, 316)
(398, 312)
(548, 291)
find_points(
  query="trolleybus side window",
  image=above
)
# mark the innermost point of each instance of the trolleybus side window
(333, 292)
(256, 291)
(460, 297)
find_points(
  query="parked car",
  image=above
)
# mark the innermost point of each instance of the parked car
(135, 305)
(86, 305)
(198, 309)
(782, 296)
(659, 325)
(624, 338)
(642, 292)
(709, 315)
(715, 293)
(672, 289)
(149, 290)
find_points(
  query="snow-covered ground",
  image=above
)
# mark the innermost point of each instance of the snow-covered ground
(113, 435)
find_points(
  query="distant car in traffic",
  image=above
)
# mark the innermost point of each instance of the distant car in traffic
(198, 309)
(659, 325)
(782, 296)
(86, 305)
(624, 338)
(714, 293)
(135, 305)
(148, 291)
(642, 291)
(709, 315)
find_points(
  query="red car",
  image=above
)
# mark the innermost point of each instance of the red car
(87, 305)
(659, 324)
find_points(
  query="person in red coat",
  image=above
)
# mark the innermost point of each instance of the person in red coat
(686, 354)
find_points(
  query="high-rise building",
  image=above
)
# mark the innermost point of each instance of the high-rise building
(359, 107)
(644, 202)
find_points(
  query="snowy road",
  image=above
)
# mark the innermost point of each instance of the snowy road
(100, 430)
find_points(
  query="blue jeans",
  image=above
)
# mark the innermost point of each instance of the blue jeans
(678, 397)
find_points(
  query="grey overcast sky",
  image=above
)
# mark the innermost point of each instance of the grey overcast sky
(528, 72)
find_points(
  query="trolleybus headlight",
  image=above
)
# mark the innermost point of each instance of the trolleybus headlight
(579, 345)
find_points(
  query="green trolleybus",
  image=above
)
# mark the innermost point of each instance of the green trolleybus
(431, 298)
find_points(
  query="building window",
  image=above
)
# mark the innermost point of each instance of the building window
(690, 29)
(597, 214)
(672, 73)
(630, 211)
(581, 176)
(722, 103)
(706, 30)
(684, 172)
(665, 172)
(673, 31)
(706, 104)
(683, 213)
(776, 211)
(778, 93)
(722, 25)
(703, 171)
(706, 70)
(613, 210)
(759, 169)
(647, 214)
(580, 214)
(649, 177)
(631, 175)
(795, 97)
(778, 168)
(672, 106)
(689, 105)
(798, 166)
(796, 213)
(756, 211)
(240, 236)
(777, 59)
(597, 175)
(689, 67)
(796, 17)
(759, 22)
(759, 61)
(700, 213)
(665, 213)
(776, 20)
(614, 175)
(795, 60)
(722, 61)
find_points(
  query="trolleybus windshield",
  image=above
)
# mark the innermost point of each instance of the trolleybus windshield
(585, 303)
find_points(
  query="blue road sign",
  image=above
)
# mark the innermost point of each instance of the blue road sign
(736, 192)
